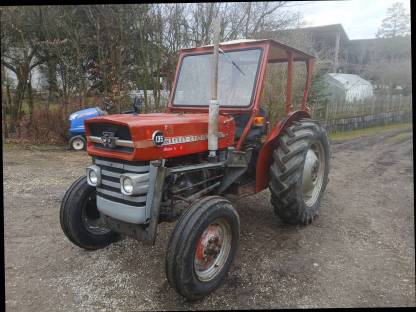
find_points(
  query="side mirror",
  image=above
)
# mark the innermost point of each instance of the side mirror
(137, 104)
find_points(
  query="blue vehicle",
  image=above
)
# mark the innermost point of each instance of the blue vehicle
(77, 139)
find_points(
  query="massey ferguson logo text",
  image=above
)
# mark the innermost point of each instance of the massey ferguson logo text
(109, 140)
(185, 139)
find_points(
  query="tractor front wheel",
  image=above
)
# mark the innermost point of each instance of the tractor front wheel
(299, 173)
(202, 247)
(79, 217)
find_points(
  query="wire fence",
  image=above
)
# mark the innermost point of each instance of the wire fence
(375, 111)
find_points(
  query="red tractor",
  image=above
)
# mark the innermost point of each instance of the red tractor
(212, 141)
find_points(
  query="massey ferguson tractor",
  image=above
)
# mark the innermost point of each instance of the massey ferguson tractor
(213, 140)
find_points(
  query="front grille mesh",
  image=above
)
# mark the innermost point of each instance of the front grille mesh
(120, 131)
(111, 170)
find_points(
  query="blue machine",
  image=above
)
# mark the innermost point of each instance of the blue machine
(77, 139)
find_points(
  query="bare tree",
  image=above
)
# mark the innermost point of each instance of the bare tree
(396, 23)
(18, 50)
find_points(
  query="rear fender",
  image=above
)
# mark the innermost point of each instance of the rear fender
(265, 157)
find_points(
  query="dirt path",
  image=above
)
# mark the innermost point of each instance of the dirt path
(360, 252)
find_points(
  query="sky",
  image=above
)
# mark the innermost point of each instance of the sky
(360, 18)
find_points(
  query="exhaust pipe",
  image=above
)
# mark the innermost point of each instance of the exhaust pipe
(214, 104)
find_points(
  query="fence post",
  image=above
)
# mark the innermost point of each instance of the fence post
(326, 112)
(400, 102)
(373, 103)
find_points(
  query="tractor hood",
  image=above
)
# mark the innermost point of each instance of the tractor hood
(154, 136)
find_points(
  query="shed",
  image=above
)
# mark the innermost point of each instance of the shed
(348, 87)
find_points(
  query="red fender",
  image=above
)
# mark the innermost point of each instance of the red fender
(265, 157)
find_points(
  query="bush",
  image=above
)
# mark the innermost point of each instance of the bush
(47, 127)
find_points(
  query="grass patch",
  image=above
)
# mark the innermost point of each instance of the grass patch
(346, 135)
(401, 137)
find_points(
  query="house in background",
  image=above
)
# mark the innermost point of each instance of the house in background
(347, 87)
(328, 43)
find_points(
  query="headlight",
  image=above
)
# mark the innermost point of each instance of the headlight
(134, 184)
(93, 175)
(127, 186)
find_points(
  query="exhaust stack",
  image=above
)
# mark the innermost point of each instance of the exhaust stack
(214, 104)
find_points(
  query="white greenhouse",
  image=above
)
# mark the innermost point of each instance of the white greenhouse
(348, 87)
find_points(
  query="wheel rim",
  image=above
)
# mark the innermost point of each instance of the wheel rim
(78, 144)
(313, 174)
(91, 216)
(213, 249)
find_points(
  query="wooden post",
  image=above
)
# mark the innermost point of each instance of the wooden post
(373, 99)
(326, 112)
(400, 102)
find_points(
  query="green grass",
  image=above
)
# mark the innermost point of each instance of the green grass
(340, 136)
(401, 137)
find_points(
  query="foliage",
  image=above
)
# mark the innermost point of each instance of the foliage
(109, 50)
(396, 23)
(318, 99)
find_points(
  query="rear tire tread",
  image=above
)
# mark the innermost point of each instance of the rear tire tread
(285, 185)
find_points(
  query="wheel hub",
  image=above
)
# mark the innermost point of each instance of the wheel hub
(310, 171)
(209, 246)
(78, 144)
(212, 250)
(313, 173)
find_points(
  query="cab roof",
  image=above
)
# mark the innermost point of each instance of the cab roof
(277, 54)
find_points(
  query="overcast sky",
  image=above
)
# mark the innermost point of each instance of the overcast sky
(360, 18)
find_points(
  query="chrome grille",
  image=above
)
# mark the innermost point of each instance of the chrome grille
(110, 180)
(123, 141)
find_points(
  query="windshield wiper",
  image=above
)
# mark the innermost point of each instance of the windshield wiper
(232, 61)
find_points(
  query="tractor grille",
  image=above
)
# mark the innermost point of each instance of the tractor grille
(122, 133)
(109, 189)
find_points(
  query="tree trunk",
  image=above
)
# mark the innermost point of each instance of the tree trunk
(30, 100)
(9, 109)
(16, 105)
(4, 105)
(52, 83)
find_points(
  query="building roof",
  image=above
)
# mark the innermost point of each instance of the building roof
(347, 80)
(319, 30)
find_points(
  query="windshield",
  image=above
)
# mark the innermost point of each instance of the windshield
(235, 81)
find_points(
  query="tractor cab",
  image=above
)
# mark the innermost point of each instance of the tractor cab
(242, 69)
(241, 78)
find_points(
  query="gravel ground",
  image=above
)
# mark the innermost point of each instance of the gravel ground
(360, 252)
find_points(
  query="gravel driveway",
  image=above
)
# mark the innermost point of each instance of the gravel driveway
(360, 252)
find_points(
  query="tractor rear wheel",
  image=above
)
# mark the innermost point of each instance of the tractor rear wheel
(202, 247)
(299, 173)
